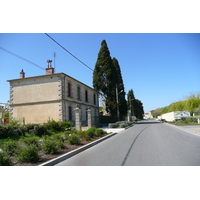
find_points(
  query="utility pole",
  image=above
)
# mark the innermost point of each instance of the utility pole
(118, 100)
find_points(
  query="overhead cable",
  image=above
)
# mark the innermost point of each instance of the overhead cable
(68, 51)
(21, 58)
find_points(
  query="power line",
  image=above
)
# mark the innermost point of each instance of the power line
(68, 51)
(21, 58)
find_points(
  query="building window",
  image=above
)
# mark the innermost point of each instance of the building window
(70, 113)
(94, 99)
(78, 93)
(69, 89)
(86, 95)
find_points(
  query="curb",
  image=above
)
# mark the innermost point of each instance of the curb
(76, 151)
(184, 129)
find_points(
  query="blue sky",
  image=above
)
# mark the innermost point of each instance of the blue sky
(160, 68)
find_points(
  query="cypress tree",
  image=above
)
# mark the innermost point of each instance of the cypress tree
(103, 70)
(135, 105)
(131, 99)
(103, 77)
(120, 85)
(106, 77)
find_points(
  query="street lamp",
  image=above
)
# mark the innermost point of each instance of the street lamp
(118, 99)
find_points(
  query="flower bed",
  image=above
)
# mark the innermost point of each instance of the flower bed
(43, 144)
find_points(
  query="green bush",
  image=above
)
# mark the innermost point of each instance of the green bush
(28, 154)
(57, 126)
(123, 125)
(6, 131)
(84, 135)
(10, 147)
(39, 130)
(73, 139)
(26, 128)
(60, 140)
(50, 146)
(5, 160)
(99, 132)
(190, 119)
(91, 132)
(14, 122)
(65, 125)
(113, 125)
(32, 141)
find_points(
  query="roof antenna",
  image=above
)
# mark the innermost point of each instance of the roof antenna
(54, 55)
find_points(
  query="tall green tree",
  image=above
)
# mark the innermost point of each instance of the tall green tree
(106, 77)
(103, 76)
(103, 71)
(130, 101)
(135, 105)
(138, 109)
(120, 89)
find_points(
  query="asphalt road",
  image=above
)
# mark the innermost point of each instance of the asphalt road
(147, 143)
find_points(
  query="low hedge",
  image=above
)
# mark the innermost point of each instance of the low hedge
(36, 129)
(123, 124)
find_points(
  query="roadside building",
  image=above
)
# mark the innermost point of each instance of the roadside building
(52, 96)
(148, 115)
(171, 116)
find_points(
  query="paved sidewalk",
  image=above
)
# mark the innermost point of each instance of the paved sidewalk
(194, 129)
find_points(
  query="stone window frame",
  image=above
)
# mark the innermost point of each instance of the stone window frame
(69, 89)
(79, 92)
(70, 117)
(94, 99)
(86, 96)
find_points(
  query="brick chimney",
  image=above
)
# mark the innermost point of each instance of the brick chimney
(22, 74)
(49, 69)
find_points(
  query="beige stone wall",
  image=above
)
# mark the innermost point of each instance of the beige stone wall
(83, 88)
(38, 98)
(38, 113)
(35, 90)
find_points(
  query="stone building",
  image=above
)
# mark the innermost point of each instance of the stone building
(53, 96)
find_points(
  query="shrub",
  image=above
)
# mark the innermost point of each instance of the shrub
(84, 135)
(39, 130)
(49, 146)
(99, 132)
(73, 139)
(60, 140)
(5, 160)
(190, 119)
(91, 132)
(123, 125)
(14, 122)
(6, 131)
(112, 125)
(10, 147)
(65, 125)
(28, 154)
(57, 126)
(32, 141)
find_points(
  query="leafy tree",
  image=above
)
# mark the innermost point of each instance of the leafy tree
(190, 103)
